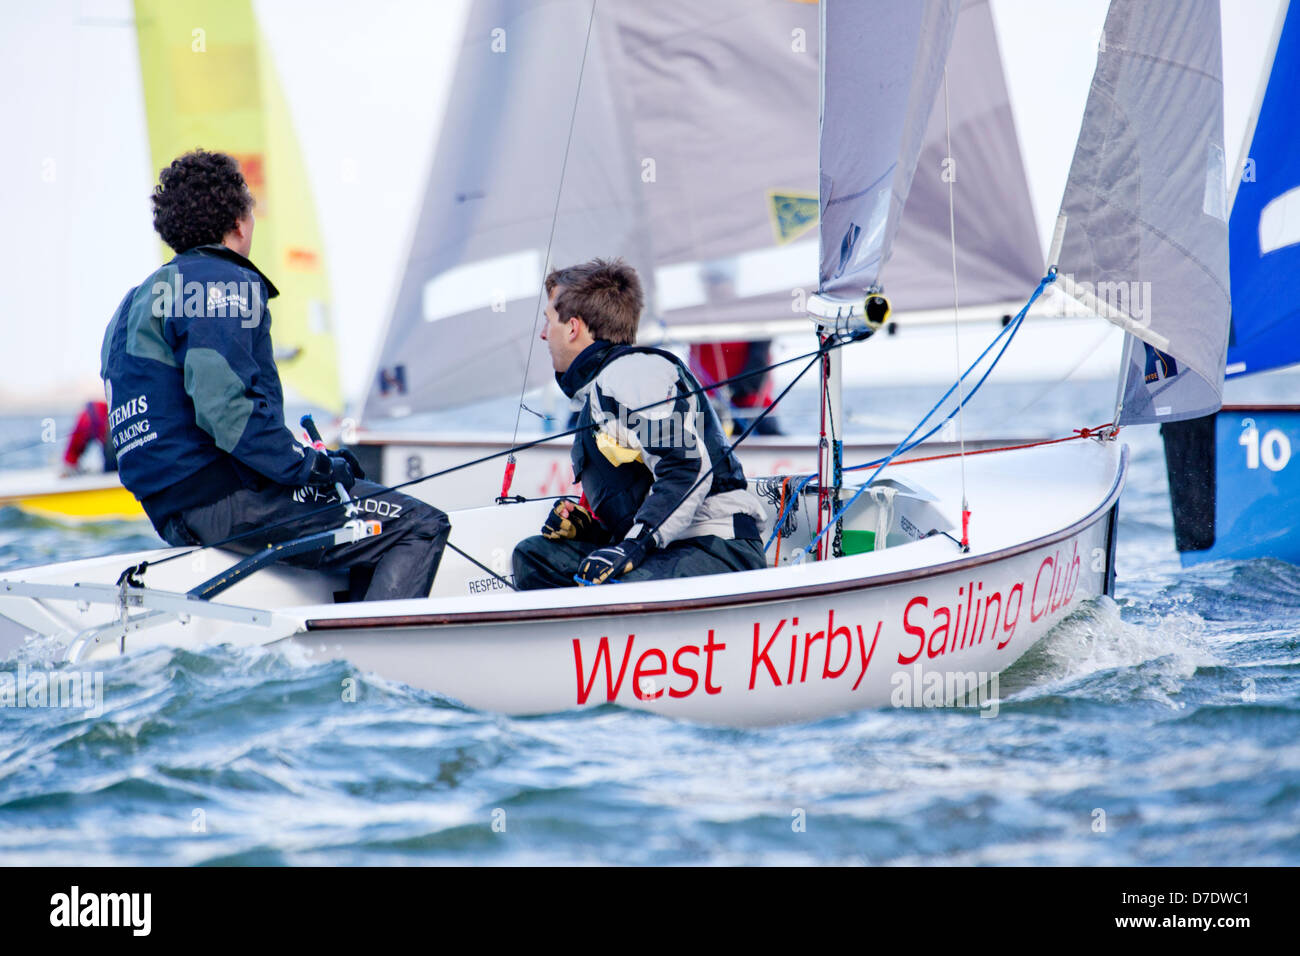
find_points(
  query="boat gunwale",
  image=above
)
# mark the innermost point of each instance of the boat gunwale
(1260, 407)
(455, 618)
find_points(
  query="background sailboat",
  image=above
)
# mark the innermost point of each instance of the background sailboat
(670, 172)
(1233, 486)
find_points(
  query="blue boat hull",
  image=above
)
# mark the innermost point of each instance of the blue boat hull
(1256, 465)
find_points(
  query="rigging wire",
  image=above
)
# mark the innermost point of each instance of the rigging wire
(17, 447)
(1050, 387)
(283, 522)
(555, 215)
(732, 447)
(481, 566)
(907, 443)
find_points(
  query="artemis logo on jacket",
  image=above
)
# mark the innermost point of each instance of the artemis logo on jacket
(177, 298)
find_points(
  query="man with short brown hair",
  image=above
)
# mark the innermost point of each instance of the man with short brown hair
(609, 292)
(663, 496)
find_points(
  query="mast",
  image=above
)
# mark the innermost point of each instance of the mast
(888, 89)
(830, 463)
(830, 446)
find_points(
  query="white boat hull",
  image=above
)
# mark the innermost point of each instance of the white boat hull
(786, 643)
(785, 658)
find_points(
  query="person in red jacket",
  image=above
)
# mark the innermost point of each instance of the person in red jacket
(92, 426)
(742, 401)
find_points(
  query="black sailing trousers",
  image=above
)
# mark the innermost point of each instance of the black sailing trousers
(401, 561)
(541, 562)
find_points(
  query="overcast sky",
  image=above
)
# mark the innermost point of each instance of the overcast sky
(366, 83)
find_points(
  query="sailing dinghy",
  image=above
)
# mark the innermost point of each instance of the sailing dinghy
(45, 493)
(870, 581)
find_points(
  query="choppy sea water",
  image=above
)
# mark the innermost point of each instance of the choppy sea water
(1170, 714)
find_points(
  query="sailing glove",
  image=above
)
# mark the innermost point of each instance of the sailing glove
(327, 471)
(608, 564)
(351, 459)
(572, 521)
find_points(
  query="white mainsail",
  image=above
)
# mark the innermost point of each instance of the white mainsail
(865, 179)
(1144, 216)
(694, 156)
(999, 255)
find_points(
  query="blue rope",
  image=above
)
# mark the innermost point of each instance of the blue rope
(794, 497)
(1009, 330)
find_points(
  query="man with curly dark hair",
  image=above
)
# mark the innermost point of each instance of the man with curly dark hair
(200, 198)
(196, 412)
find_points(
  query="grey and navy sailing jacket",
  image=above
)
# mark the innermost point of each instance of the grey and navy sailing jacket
(195, 408)
(638, 468)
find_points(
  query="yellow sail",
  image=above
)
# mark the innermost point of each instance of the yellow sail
(209, 82)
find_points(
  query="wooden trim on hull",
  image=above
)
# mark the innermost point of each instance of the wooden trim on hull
(1101, 512)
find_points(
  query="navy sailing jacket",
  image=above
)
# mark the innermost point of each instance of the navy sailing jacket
(195, 408)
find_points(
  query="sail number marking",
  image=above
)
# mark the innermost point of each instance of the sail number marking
(1273, 449)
